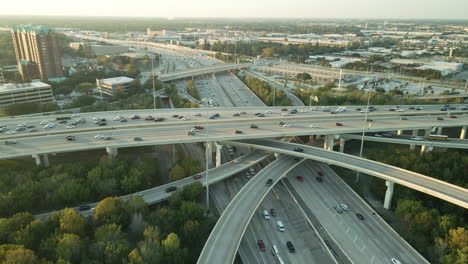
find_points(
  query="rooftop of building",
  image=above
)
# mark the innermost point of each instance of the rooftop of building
(117, 80)
(8, 87)
(31, 28)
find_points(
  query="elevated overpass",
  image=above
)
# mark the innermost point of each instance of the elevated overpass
(201, 71)
(451, 143)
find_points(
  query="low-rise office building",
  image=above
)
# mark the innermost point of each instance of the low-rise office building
(37, 92)
(110, 86)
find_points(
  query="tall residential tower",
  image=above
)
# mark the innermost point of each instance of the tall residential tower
(37, 52)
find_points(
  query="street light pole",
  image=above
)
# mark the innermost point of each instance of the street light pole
(363, 132)
(206, 162)
(152, 74)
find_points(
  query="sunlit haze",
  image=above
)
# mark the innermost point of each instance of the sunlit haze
(413, 9)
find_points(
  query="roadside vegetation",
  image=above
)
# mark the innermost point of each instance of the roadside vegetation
(192, 90)
(184, 168)
(265, 92)
(117, 232)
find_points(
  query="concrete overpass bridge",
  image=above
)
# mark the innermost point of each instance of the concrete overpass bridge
(201, 71)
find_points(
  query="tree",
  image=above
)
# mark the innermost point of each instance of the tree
(108, 233)
(69, 248)
(171, 243)
(110, 210)
(85, 87)
(72, 222)
(457, 238)
(136, 204)
(177, 173)
(20, 256)
(7, 247)
(135, 257)
(132, 181)
(150, 247)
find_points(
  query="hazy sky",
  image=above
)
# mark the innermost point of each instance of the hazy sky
(456, 9)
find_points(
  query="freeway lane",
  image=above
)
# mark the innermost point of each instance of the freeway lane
(416, 181)
(451, 143)
(365, 241)
(224, 240)
(159, 135)
(158, 194)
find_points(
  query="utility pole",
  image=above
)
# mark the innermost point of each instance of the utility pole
(152, 74)
(363, 132)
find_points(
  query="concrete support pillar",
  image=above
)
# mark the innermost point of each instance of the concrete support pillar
(399, 132)
(427, 132)
(463, 132)
(210, 153)
(37, 157)
(342, 144)
(219, 147)
(112, 151)
(425, 148)
(329, 141)
(439, 130)
(46, 160)
(277, 155)
(388, 195)
(415, 134)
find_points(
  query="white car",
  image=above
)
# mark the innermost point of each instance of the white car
(75, 115)
(99, 136)
(313, 126)
(185, 119)
(304, 111)
(22, 125)
(70, 126)
(44, 122)
(287, 125)
(400, 110)
(416, 138)
(313, 108)
(286, 114)
(344, 206)
(49, 126)
(395, 261)
(11, 132)
(268, 112)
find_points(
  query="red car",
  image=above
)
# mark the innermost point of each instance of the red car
(198, 176)
(339, 124)
(149, 118)
(299, 178)
(261, 245)
(391, 109)
(198, 127)
(320, 173)
(452, 116)
(439, 118)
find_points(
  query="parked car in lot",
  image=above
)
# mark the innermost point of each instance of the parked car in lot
(344, 206)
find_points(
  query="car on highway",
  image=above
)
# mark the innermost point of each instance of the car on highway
(320, 173)
(403, 118)
(281, 123)
(137, 139)
(298, 150)
(11, 132)
(133, 117)
(344, 206)
(159, 119)
(338, 209)
(70, 126)
(198, 127)
(102, 124)
(10, 142)
(387, 135)
(268, 112)
(211, 117)
(411, 107)
(198, 176)
(84, 207)
(416, 138)
(197, 114)
(419, 108)
(400, 110)
(272, 212)
(149, 118)
(190, 133)
(395, 261)
(319, 179)
(339, 124)
(235, 161)
(443, 109)
(99, 136)
(261, 245)
(287, 125)
(360, 216)
(216, 115)
(253, 126)
(236, 114)
(261, 115)
(451, 116)
(284, 109)
(313, 126)
(300, 178)
(107, 138)
(439, 118)
(20, 129)
(266, 215)
(280, 226)
(70, 138)
(285, 114)
(238, 132)
(290, 246)
(33, 130)
(269, 182)
(171, 189)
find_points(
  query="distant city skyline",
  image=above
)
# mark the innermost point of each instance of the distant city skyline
(394, 9)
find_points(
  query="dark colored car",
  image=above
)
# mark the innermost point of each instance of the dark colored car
(198, 176)
(261, 115)
(216, 115)
(198, 127)
(211, 117)
(339, 124)
(358, 109)
(261, 245)
(102, 124)
(319, 179)
(236, 114)
(273, 212)
(253, 126)
(403, 118)
(439, 118)
(70, 138)
(171, 189)
(84, 207)
(137, 139)
(62, 122)
(290, 246)
(360, 216)
(320, 173)
(411, 107)
(452, 116)
(443, 109)
(298, 150)
(135, 117)
(284, 109)
(269, 182)
(159, 119)
(238, 132)
(300, 178)
(175, 115)
(281, 123)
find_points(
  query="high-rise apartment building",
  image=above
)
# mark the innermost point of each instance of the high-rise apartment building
(37, 52)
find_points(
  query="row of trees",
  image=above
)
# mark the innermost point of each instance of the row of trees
(27, 108)
(265, 92)
(34, 189)
(437, 229)
(184, 168)
(117, 232)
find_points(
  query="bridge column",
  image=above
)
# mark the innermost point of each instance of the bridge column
(342, 144)
(46, 160)
(463, 132)
(277, 155)
(399, 132)
(388, 194)
(329, 141)
(219, 147)
(415, 133)
(426, 148)
(209, 145)
(112, 151)
(37, 157)
(439, 130)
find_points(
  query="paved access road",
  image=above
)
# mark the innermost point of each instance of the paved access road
(224, 240)
(158, 194)
(448, 192)
(364, 241)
